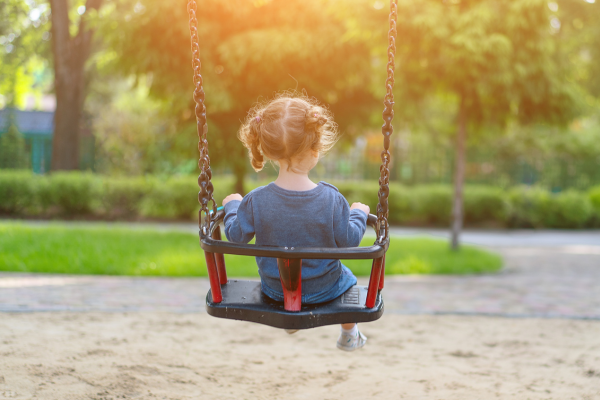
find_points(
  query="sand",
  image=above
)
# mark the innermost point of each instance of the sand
(193, 356)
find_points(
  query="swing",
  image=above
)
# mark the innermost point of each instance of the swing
(244, 300)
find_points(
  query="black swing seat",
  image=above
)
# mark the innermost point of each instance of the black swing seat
(243, 300)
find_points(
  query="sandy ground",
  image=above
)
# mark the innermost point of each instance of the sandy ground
(193, 356)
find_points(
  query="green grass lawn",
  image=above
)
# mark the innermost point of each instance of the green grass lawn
(122, 251)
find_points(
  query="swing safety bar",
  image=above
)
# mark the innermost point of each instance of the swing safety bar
(289, 262)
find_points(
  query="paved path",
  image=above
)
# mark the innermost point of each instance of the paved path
(512, 238)
(554, 274)
(537, 282)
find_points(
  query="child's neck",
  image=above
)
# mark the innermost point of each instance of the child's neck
(290, 180)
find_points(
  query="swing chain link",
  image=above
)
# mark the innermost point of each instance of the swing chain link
(387, 129)
(204, 180)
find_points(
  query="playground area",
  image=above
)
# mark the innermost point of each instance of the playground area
(192, 356)
(531, 331)
(221, 230)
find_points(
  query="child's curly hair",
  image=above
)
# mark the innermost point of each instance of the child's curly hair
(285, 128)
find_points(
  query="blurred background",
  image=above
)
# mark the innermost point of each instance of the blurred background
(98, 176)
(104, 86)
(97, 117)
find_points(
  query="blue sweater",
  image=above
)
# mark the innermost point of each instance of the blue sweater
(320, 217)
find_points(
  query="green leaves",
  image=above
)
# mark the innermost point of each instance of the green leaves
(502, 56)
(24, 46)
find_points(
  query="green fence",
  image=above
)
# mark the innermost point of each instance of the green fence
(415, 166)
(418, 166)
(39, 150)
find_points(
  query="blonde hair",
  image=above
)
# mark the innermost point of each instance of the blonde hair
(285, 128)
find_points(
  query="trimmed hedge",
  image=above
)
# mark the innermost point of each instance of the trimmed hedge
(594, 196)
(84, 195)
(534, 207)
(17, 192)
(123, 197)
(77, 194)
(72, 193)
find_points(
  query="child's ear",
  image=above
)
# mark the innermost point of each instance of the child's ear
(315, 153)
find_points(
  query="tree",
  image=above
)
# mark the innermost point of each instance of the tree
(13, 154)
(497, 62)
(249, 50)
(70, 55)
(579, 38)
(24, 47)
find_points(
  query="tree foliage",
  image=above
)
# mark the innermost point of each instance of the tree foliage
(24, 48)
(579, 41)
(501, 56)
(249, 50)
(495, 61)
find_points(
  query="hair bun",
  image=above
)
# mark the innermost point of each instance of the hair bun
(315, 118)
(321, 120)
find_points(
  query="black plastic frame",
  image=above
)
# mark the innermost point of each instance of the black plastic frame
(345, 253)
(244, 301)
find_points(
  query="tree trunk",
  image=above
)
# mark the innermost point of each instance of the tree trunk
(459, 176)
(239, 171)
(70, 55)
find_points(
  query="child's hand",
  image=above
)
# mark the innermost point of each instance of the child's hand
(235, 196)
(362, 207)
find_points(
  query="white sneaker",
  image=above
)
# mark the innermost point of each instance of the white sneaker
(347, 342)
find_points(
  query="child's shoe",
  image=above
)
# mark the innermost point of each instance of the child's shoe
(290, 331)
(349, 342)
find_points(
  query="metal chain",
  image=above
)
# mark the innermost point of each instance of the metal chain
(387, 129)
(204, 180)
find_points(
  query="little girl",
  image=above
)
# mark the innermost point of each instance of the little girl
(293, 211)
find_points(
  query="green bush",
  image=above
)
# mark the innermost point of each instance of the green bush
(485, 204)
(569, 209)
(177, 197)
(536, 207)
(594, 196)
(123, 196)
(364, 192)
(173, 198)
(18, 192)
(223, 186)
(430, 204)
(400, 204)
(73, 193)
(529, 206)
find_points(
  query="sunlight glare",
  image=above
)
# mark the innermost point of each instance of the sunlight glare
(35, 14)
